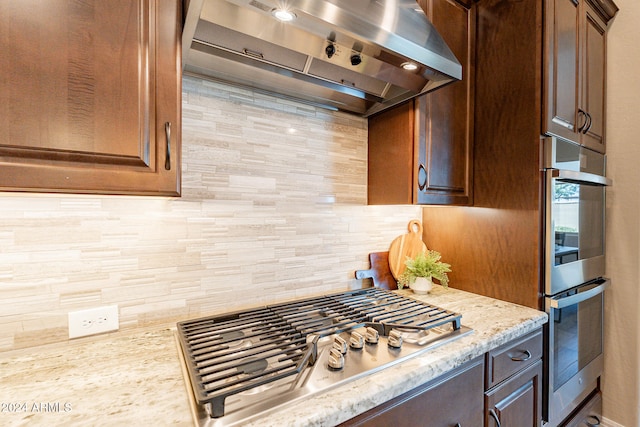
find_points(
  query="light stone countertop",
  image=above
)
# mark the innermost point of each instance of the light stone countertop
(131, 379)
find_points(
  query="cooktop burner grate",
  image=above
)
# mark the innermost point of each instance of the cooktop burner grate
(246, 351)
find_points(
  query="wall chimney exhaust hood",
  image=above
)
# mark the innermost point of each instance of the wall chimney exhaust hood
(351, 55)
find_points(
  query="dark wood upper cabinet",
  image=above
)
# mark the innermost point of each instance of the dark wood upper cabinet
(90, 96)
(563, 58)
(594, 76)
(422, 151)
(575, 58)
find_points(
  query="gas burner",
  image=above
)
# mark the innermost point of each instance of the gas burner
(413, 336)
(425, 336)
(252, 365)
(235, 339)
(393, 307)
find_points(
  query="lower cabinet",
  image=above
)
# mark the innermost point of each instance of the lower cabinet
(453, 400)
(513, 395)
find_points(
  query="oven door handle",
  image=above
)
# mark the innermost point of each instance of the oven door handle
(581, 177)
(577, 298)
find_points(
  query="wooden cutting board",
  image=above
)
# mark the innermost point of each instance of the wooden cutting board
(406, 245)
(379, 271)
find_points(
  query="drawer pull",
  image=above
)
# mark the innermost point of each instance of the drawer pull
(588, 126)
(527, 356)
(422, 177)
(495, 417)
(590, 421)
(582, 113)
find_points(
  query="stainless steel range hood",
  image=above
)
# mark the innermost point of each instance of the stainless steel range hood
(339, 54)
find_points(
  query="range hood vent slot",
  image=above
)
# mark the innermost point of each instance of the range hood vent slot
(235, 41)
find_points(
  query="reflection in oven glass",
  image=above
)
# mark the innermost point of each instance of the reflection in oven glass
(577, 338)
(566, 221)
(577, 221)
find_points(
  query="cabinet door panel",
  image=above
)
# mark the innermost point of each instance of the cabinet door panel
(517, 401)
(79, 102)
(390, 156)
(563, 62)
(594, 75)
(455, 399)
(71, 90)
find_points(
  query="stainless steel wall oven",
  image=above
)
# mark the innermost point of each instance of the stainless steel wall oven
(574, 274)
(575, 353)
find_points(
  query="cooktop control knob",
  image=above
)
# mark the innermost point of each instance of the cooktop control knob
(356, 340)
(372, 336)
(336, 359)
(340, 344)
(395, 339)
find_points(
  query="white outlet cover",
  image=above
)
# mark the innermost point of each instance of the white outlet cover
(93, 321)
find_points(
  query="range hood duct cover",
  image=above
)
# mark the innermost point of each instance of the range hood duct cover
(338, 54)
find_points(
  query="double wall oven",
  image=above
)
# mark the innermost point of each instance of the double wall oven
(574, 275)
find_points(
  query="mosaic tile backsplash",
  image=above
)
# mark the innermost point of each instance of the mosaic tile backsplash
(273, 207)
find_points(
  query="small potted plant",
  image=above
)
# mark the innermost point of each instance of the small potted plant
(420, 270)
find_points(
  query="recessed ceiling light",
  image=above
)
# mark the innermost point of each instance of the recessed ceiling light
(409, 66)
(283, 15)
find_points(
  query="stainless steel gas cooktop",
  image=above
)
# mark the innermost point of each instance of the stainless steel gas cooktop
(243, 364)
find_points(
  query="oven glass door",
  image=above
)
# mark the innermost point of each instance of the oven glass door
(575, 344)
(577, 220)
(576, 224)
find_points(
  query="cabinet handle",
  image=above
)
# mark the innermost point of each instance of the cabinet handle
(495, 417)
(167, 132)
(422, 177)
(591, 423)
(588, 124)
(582, 113)
(527, 356)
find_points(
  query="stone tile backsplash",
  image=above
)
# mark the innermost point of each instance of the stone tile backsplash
(273, 207)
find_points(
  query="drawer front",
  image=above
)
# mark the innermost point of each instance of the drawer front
(590, 415)
(513, 357)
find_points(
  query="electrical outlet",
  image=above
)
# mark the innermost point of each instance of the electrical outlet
(93, 321)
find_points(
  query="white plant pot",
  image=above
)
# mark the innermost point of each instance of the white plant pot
(422, 285)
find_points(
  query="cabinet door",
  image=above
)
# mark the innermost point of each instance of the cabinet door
(90, 96)
(444, 118)
(563, 22)
(517, 401)
(391, 156)
(594, 75)
(455, 399)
